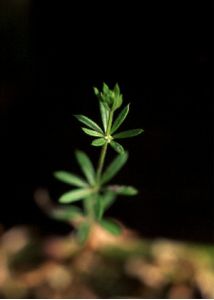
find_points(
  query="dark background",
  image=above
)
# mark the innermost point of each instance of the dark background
(52, 53)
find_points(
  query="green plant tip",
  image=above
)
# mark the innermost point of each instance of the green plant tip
(108, 138)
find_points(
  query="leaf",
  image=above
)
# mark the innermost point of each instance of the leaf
(108, 199)
(128, 133)
(70, 178)
(103, 202)
(91, 132)
(96, 91)
(111, 226)
(120, 119)
(106, 89)
(104, 115)
(75, 195)
(114, 167)
(117, 147)
(68, 213)
(118, 98)
(123, 190)
(98, 207)
(90, 123)
(105, 104)
(117, 102)
(117, 89)
(107, 95)
(98, 142)
(86, 166)
(83, 232)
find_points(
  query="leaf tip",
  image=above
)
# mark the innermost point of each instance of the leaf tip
(96, 91)
(134, 192)
(55, 174)
(61, 200)
(77, 152)
(141, 130)
(76, 116)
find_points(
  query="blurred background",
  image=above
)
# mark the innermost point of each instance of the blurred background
(51, 55)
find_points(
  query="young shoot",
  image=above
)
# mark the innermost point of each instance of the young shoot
(93, 188)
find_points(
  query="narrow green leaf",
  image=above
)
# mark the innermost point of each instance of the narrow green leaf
(90, 123)
(105, 88)
(128, 133)
(120, 119)
(108, 199)
(118, 102)
(67, 213)
(114, 167)
(117, 89)
(70, 178)
(98, 142)
(91, 132)
(107, 95)
(117, 147)
(115, 105)
(103, 202)
(86, 166)
(118, 98)
(96, 91)
(123, 190)
(75, 195)
(105, 104)
(111, 226)
(98, 207)
(104, 111)
(83, 232)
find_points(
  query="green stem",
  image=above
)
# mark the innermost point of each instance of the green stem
(104, 149)
(88, 207)
(101, 161)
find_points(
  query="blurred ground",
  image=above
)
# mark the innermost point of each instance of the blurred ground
(107, 267)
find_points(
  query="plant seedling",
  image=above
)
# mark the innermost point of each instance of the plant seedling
(94, 190)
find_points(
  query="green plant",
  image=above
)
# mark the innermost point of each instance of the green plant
(95, 192)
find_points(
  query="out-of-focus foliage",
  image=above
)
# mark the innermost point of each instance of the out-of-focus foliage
(107, 267)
